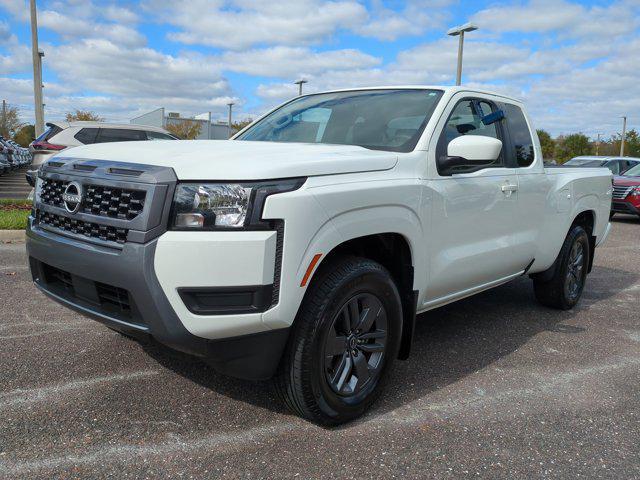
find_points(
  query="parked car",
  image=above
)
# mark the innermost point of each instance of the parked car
(617, 165)
(626, 191)
(5, 165)
(62, 135)
(17, 155)
(7, 149)
(302, 248)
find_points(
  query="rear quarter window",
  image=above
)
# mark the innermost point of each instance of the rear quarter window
(521, 140)
(107, 135)
(86, 136)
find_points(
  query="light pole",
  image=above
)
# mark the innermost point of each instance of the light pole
(624, 133)
(229, 123)
(598, 144)
(459, 32)
(37, 71)
(300, 83)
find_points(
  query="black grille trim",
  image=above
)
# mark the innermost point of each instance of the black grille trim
(277, 271)
(105, 233)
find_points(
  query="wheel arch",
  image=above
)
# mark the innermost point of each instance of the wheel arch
(393, 251)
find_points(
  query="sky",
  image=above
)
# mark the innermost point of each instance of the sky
(576, 65)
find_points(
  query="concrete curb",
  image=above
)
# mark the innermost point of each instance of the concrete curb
(12, 236)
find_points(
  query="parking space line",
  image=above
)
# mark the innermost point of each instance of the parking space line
(33, 395)
(126, 453)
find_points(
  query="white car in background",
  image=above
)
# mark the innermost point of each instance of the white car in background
(61, 135)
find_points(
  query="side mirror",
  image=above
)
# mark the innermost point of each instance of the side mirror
(469, 151)
(31, 177)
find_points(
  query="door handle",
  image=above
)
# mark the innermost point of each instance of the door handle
(509, 188)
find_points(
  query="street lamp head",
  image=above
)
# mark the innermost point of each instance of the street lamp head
(467, 27)
(299, 82)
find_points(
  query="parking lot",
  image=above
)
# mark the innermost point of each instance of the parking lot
(497, 387)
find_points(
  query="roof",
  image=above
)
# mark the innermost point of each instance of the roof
(604, 158)
(445, 88)
(128, 126)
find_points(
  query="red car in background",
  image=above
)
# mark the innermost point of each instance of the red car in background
(626, 192)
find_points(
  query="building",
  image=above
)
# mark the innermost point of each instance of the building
(208, 130)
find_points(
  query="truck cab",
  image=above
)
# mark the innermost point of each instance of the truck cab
(302, 249)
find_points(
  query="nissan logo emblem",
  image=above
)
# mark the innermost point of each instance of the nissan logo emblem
(72, 197)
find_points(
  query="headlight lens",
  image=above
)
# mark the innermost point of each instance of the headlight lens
(212, 206)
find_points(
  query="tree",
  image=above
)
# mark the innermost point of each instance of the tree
(571, 146)
(83, 116)
(547, 144)
(237, 126)
(631, 144)
(25, 135)
(184, 129)
(9, 121)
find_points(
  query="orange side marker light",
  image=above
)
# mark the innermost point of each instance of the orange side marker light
(310, 268)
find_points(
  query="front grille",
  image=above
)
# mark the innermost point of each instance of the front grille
(99, 200)
(60, 278)
(51, 192)
(620, 192)
(88, 229)
(114, 299)
(100, 297)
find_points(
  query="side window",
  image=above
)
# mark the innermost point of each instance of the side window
(521, 140)
(614, 166)
(120, 135)
(158, 136)
(466, 119)
(86, 135)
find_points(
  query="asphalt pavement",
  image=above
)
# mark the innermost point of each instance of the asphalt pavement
(14, 184)
(497, 387)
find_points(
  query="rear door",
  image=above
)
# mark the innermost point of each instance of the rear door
(471, 235)
(533, 183)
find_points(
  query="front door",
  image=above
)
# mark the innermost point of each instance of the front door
(472, 213)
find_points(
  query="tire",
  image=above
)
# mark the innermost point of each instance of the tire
(564, 289)
(318, 375)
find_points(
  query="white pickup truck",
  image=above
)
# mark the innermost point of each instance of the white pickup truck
(303, 248)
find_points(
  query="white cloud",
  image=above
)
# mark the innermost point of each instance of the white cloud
(414, 19)
(242, 24)
(294, 62)
(559, 16)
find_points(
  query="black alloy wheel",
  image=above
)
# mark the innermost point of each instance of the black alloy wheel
(355, 344)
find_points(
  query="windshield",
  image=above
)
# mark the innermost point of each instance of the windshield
(376, 119)
(633, 171)
(585, 162)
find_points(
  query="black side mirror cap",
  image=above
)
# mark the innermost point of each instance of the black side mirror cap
(447, 163)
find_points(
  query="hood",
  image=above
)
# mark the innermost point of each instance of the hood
(626, 181)
(239, 160)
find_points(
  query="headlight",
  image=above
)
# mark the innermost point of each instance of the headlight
(215, 206)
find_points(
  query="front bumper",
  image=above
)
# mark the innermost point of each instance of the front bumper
(622, 206)
(123, 289)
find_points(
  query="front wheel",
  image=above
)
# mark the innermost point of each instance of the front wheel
(343, 343)
(565, 288)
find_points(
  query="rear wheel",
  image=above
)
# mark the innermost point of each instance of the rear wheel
(343, 343)
(565, 288)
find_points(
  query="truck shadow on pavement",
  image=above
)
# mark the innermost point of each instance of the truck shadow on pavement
(450, 342)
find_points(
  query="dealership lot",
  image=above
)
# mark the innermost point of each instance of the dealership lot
(497, 386)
